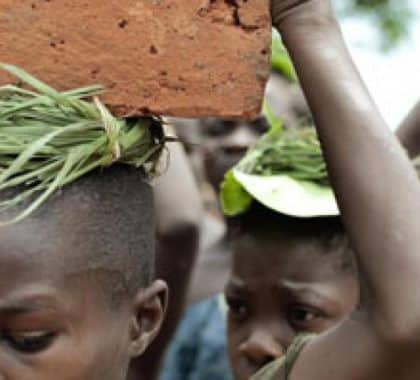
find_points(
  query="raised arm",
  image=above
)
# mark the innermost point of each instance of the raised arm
(379, 196)
(409, 132)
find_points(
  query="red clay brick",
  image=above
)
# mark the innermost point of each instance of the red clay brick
(187, 58)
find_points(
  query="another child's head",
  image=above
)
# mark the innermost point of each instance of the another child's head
(289, 276)
(77, 296)
(224, 142)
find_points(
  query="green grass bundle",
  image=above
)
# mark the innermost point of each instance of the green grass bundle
(295, 152)
(285, 171)
(49, 139)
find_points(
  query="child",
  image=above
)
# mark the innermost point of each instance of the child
(77, 295)
(290, 274)
(379, 197)
(78, 298)
(304, 270)
(303, 266)
(224, 144)
(199, 348)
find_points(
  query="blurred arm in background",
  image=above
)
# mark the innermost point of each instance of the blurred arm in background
(179, 212)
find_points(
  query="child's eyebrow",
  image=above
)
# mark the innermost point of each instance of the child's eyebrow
(313, 290)
(27, 305)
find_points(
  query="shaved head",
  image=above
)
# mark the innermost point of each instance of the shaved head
(102, 225)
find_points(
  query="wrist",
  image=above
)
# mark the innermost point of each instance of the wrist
(298, 30)
(314, 17)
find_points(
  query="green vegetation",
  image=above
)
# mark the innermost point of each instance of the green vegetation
(48, 139)
(391, 18)
(279, 155)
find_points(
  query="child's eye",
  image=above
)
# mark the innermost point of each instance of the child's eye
(300, 315)
(28, 342)
(261, 125)
(237, 307)
(218, 128)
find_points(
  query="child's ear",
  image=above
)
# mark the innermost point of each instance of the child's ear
(149, 309)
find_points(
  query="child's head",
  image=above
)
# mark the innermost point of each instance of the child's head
(289, 276)
(225, 143)
(77, 296)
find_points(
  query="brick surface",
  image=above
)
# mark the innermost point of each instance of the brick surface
(187, 58)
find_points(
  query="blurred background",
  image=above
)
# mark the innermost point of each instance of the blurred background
(384, 39)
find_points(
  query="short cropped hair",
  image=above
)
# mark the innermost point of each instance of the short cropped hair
(107, 221)
(326, 231)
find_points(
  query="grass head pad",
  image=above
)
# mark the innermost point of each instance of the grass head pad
(285, 171)
(49, 139)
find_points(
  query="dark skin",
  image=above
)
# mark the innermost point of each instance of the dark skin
(409, 132)
(365, 161)
(224, 143)
(281, 286)
(178, 233)
(56, 316)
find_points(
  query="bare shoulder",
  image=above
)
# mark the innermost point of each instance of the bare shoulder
(341, 353)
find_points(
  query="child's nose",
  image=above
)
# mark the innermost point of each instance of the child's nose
(261, 348)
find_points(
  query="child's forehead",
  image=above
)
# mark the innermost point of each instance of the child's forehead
(277, 245)
(283, 258)
(35, 248)
(31, 269)
(298, 272)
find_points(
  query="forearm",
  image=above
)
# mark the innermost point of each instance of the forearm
(377, 190)
(409, 132)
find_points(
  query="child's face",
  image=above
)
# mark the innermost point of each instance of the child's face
(279, 288)
(55, 319)
(225, 143)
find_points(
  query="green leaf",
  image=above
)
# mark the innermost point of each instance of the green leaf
(280, 59)
(285, 171)
(288, 195)
(234, 198)
(275, 122)
(30, 80)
